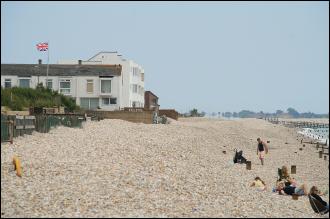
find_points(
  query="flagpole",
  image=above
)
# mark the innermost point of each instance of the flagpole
(47, 66)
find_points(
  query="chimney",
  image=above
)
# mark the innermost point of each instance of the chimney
(79, 62)
(39, 61)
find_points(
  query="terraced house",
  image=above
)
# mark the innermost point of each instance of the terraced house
(106, 81)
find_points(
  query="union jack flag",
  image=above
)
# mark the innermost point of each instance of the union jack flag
(42, 46)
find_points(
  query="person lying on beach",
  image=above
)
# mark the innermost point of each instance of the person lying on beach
(315, 192)
(259, 184)
(288, 189)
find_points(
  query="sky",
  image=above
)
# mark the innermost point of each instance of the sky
(213, 56)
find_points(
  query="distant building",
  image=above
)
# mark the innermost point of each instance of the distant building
(105, 81)
(150, 101)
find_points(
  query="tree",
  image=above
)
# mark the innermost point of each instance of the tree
(194, 112)
(246, 114)
(308, 115)
(228, 114)
(235, 114)
(294, 113)
(279, 112)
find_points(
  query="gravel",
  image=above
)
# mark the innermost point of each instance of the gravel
(114, 168)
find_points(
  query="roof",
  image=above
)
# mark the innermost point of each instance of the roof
(149, 92)
(26, 70)
(101, 53)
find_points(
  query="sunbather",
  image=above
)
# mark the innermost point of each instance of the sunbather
(286, 176)
(289, 189)
(316, 194)
(259, 184)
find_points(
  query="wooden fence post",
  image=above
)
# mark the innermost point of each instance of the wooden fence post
(248, 165)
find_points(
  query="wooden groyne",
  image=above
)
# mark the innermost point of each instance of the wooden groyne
(297, 124)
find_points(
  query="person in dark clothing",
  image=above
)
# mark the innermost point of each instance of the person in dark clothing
(288, 189)
(261, 149)
(316, 194)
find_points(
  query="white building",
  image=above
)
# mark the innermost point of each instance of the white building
(105, 81)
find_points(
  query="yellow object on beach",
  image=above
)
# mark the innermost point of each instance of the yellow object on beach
(17, 165)
(258, 183)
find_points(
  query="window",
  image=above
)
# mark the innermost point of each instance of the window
(49, 83)
(89, 86)
(113, 100)
(24, 82)
(108, 101)
(65, 86)
(142, 76)
(89, 103)
(105, 86)
(134, 88)
(105, 101)
(7, 83)
(136, 71)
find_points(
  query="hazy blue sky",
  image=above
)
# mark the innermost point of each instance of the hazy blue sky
(215, 56)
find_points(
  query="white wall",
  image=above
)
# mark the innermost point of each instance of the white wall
(14, 80)
(125, 95)
(136, 79)
(78, 87)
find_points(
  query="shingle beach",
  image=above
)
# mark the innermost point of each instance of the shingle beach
(114, 168)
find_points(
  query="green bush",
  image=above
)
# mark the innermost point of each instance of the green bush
(17, 98)
(5, 97)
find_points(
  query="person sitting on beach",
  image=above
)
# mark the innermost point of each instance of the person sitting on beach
(286, 176)
(262, 147)
(259, 184)
(288, 189)
(316, 194)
